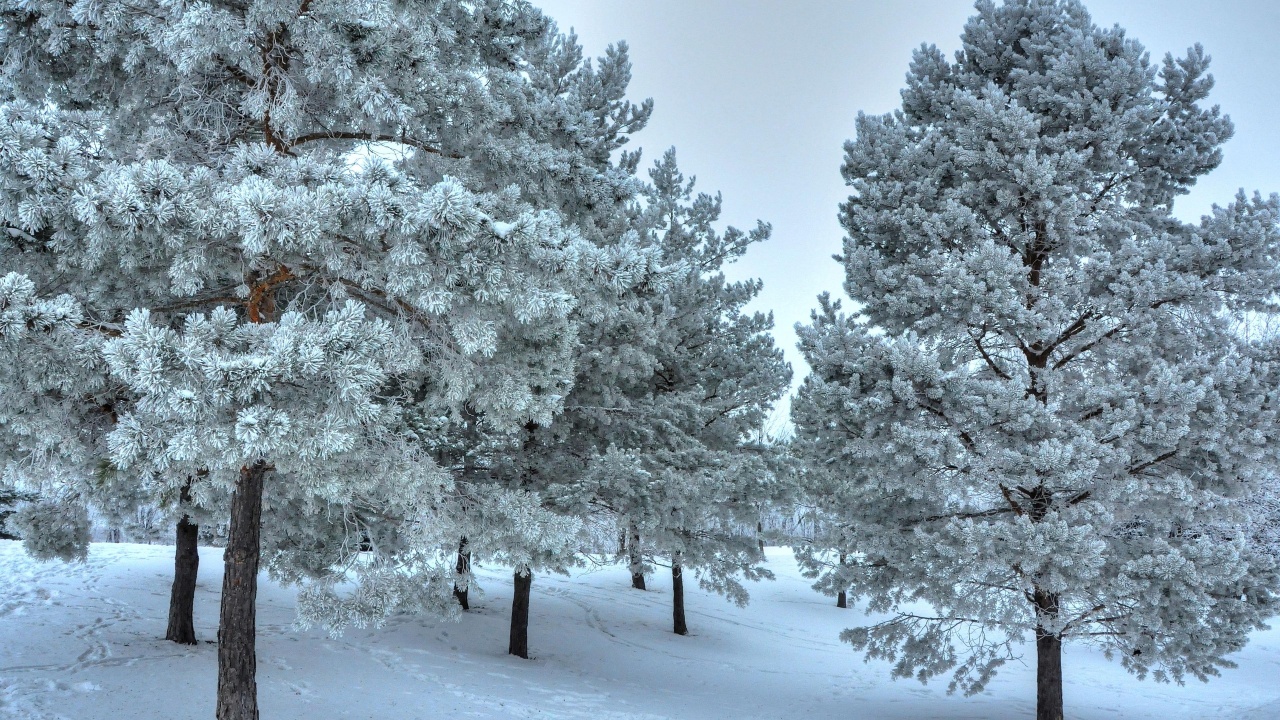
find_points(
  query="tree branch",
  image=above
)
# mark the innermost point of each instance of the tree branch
(964, 436)
(1153, 461)
(1075, 328)
(369, 137)
(967, 515)
(1008, 497)
(1087, 346)
(991, 363)
(1079, 498)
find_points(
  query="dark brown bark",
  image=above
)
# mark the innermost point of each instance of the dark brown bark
(842, 600)
(186, 567)
(519, 643)
(1037, 504)
(237, 622)
(462, 583)
(677, 596)
(637, 560)
(1048, 660)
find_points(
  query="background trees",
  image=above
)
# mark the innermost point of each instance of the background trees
(676, 463)
(1039, 407)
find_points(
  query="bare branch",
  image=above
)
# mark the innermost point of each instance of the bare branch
(401, 139)
(1153, 461)
(1087, 346)
(967, 515)
(1008, 497)
(991, 363)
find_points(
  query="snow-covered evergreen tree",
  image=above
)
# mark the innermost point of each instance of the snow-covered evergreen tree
(51, 161)
(255, 183)
(670, 389)
(10, 498)
(1039, 421)
(58, 400)
(572, 115)
(819, 552)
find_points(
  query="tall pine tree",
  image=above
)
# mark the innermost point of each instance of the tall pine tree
(670, 391)
(572, 115)
(1039, 421)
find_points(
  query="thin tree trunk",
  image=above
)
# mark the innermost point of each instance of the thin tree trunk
(237, 623)
(462, 582)
(182, 597)
(677, 592)
(622, 544)
(637, 559)
(1048, 661)
(760, 534)
(519, 643)
(842, 600)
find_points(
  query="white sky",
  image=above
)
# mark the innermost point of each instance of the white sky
(758, 97)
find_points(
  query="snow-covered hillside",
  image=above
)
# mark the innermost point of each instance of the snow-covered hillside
(83, 642)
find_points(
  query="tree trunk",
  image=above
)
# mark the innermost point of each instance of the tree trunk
(1048, 661)
(519, 643)
(182, 597)
(842, 600)
(677, 593)
(462, 583)
(760, 534)
(237, 623)
(637, 560)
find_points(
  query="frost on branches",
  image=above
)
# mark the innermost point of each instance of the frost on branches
(300, 222)
(572, 114)
(1039, 423)
(670, 388)
(57, 398)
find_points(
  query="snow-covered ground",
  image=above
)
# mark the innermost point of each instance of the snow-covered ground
(84, 642)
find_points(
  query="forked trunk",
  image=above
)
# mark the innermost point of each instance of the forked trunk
(637, 559)
(237, 622)
(677, 593)
(182, 597)
(519, 644)
(1048, 661)
(462, 581)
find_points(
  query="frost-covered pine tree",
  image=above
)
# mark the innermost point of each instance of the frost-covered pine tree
(262, 158)
(817, 550)
(572, 115)
(58, 400)
(670, 388)
(583, 114)
(61, 400)
(1039, 423)
(47, 443)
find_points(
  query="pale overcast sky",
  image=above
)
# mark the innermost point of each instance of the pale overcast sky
(758, 98)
